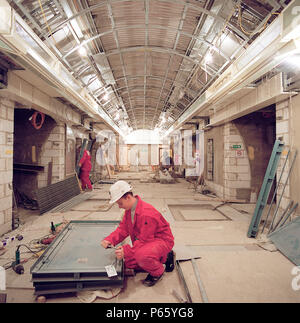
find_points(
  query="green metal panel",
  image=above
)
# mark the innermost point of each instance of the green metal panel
(265, 188)
(287, 240)
(76, 260)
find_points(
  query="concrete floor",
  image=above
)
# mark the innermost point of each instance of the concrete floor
(232, 267)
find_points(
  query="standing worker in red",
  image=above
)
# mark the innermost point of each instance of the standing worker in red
(151, 236)
(85, 168)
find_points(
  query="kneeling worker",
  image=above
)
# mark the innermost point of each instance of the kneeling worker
(151, 236)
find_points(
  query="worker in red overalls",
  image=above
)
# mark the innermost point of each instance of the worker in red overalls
(151, 236)
(85, 168)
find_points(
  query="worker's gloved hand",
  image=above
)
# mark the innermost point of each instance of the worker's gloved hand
(119, 253)
(105, 243)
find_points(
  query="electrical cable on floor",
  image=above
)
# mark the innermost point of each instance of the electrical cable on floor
(24, 245)
(33, 250)
(39, 240)
(5, 266)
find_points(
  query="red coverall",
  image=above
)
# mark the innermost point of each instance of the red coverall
(85, 168)
(151, 238)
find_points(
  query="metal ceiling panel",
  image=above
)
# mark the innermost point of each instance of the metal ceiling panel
(169, 39)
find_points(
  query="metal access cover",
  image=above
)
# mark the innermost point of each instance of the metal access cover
(197, 212)
(287, 240)
(75, 260)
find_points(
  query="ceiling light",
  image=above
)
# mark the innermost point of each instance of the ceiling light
(297, 43)
(293, 61)
(208, 58)
(294, 34)
(82, 51)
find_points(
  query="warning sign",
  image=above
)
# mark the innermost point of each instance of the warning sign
(239, 153)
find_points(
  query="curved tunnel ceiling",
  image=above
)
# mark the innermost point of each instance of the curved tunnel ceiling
(147, 61)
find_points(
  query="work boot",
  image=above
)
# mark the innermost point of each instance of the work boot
(151, 280)
(170, 263)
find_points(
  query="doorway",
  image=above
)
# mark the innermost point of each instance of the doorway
(27, 163)
(258, 130)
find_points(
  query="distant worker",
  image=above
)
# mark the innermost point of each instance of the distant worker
(85, 168)
(151, 236)
(167, 162)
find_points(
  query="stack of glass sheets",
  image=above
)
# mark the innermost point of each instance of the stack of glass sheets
(76, 261)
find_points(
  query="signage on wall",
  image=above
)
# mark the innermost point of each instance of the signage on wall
(236, 146)
(239, 153)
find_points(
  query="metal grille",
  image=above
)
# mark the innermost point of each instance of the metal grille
(51, 196)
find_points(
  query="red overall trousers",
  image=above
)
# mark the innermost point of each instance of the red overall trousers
(85, 168)
(151, 238)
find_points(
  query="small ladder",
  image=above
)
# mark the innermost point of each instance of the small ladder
(266, 188)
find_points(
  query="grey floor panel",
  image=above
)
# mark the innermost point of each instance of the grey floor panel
(75, 259)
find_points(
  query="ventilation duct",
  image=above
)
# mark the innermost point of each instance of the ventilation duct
(19, 39)
(254, 63)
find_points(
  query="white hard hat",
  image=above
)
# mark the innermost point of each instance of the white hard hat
(117, 190)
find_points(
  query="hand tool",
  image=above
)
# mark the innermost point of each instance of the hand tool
(17, 267)
(48, 240)
(52, 227)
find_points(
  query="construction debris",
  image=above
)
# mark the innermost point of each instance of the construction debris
(165, 177)
(25, 201)
(264, 242)
(90, 296)
(150, 179)
(104, 207)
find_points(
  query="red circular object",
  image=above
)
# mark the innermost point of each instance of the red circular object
(34, 120)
